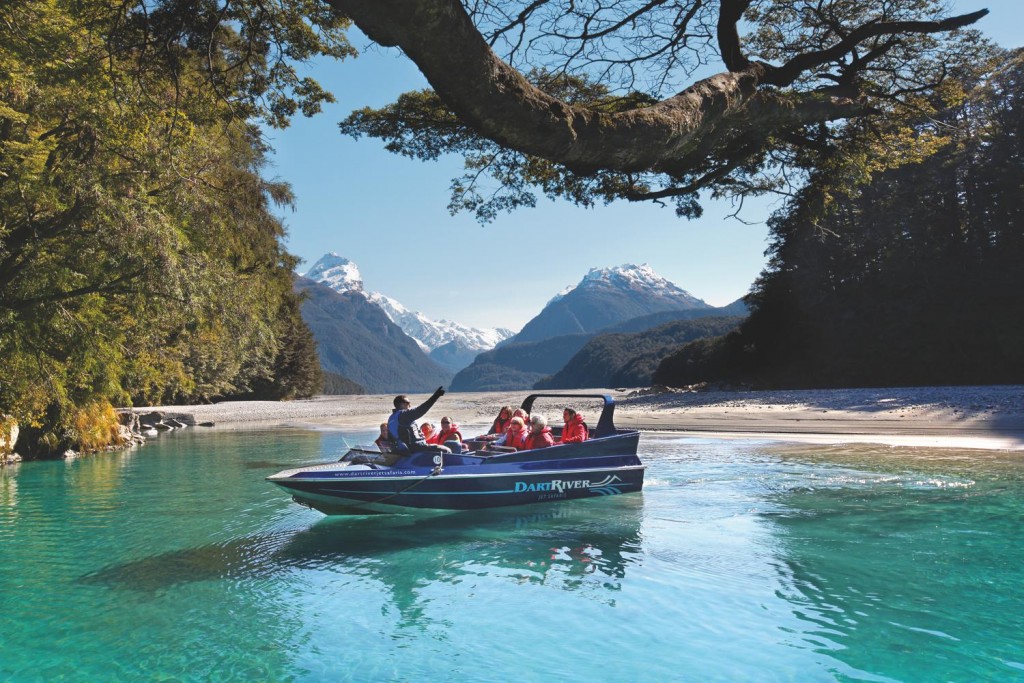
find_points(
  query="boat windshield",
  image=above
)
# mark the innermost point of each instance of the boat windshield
(369, 455)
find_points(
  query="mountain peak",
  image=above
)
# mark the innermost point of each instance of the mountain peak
(605, 297)
(628, 274)
(337, 272)
(627, 277)
(342, 275)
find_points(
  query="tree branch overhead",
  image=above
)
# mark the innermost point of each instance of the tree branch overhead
(775, 82)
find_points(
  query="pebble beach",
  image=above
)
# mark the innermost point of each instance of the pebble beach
(985, 417)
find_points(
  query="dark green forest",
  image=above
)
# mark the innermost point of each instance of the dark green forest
(630, 359)
(140, 259)
(912, 278)
(335, 384)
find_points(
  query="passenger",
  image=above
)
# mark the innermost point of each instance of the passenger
(402, 425)
(519, 412)
(429, 433)
(450, 433)
(500, 425)
(516, 435)
(575, 429)
(384, 440)
(540, 433)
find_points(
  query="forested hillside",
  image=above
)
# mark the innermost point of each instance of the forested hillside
(519, 365)
(630, 360)
(140, 260)
(912, 278)
(335, 384)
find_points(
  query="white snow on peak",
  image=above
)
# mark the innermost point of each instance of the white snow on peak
(636, 278)
(342, 275)
(557, 297)
(337, 272)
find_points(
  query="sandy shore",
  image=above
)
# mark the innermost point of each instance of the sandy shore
(989, 417)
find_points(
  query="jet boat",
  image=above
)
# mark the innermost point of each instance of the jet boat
(366, 480)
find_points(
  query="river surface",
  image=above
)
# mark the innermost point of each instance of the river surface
(741, 560)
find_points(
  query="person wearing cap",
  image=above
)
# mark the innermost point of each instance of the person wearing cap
(402, 425)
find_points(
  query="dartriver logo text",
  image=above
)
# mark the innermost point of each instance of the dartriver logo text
(561, 485)
(554, 485)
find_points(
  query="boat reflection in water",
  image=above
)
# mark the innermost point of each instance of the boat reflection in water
(584, 546)
(366, 480)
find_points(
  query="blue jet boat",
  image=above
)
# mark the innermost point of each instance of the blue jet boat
(367, 481)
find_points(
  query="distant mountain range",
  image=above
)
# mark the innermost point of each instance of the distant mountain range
(602, 332)
(357, 340)
(449, 344)
(625, 299)
(524, 365)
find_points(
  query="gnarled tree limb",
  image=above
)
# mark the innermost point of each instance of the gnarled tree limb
(672, 136)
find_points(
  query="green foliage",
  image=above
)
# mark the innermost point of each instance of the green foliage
(94, 426)
(912, 278)
(335, 384)
(139, 258)
(497, 179)
(617, 360)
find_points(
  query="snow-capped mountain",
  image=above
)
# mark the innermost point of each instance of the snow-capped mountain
(355, 339)
(607, 296)
(633, 278)
(342, 275)
(337, 272)
(435, 333)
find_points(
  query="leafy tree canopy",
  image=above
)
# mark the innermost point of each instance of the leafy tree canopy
(139, 258)
(656, 99)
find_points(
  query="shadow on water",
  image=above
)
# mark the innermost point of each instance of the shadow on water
(563, 544)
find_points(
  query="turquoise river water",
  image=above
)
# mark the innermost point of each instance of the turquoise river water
(740, 561)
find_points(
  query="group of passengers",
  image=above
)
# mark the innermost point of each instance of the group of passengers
(511, 430)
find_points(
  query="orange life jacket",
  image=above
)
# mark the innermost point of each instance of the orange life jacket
(575, 431)
(450, 434)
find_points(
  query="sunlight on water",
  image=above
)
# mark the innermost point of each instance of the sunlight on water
(741, 560)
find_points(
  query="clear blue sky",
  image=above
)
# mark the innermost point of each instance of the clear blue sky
(388, 214)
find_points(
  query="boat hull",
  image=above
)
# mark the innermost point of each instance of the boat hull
(366, 480)
(461, 491)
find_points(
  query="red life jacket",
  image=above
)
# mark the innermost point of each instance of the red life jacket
(500, 426)
(517, 441)
(432, 438)
(541, 439)
(575, 431)
(450, 434)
